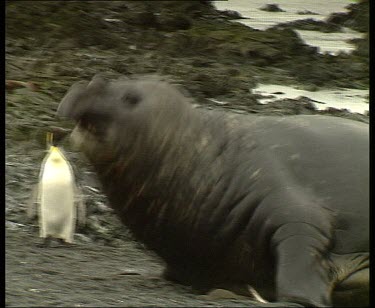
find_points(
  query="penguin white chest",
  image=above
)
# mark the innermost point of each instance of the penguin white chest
(57, 214)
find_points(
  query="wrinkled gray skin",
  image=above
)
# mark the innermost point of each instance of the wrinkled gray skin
(279, 203)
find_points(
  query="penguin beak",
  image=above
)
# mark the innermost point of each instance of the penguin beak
(59, 134)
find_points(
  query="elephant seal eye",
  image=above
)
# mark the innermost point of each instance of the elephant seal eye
(131, 98)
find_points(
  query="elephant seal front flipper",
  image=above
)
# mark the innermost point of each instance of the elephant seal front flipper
(303, 275)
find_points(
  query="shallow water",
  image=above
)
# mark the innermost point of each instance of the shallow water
(352, 99)
(326, 42)
(333, 43)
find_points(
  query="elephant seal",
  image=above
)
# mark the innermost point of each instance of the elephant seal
(57, 197)
(278, 203)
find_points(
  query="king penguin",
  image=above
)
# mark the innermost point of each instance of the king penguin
(58, 198)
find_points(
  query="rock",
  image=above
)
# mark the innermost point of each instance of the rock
(337, 18)
(307, 12)
(271, 8)
(311, 25)
(82, 239)
(230, 14)
(300, 105)
(345, 113)
(220, 294)
(357, 17)
(14, 225)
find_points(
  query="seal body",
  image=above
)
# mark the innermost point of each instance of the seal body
(57, 211)
(279, 203)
